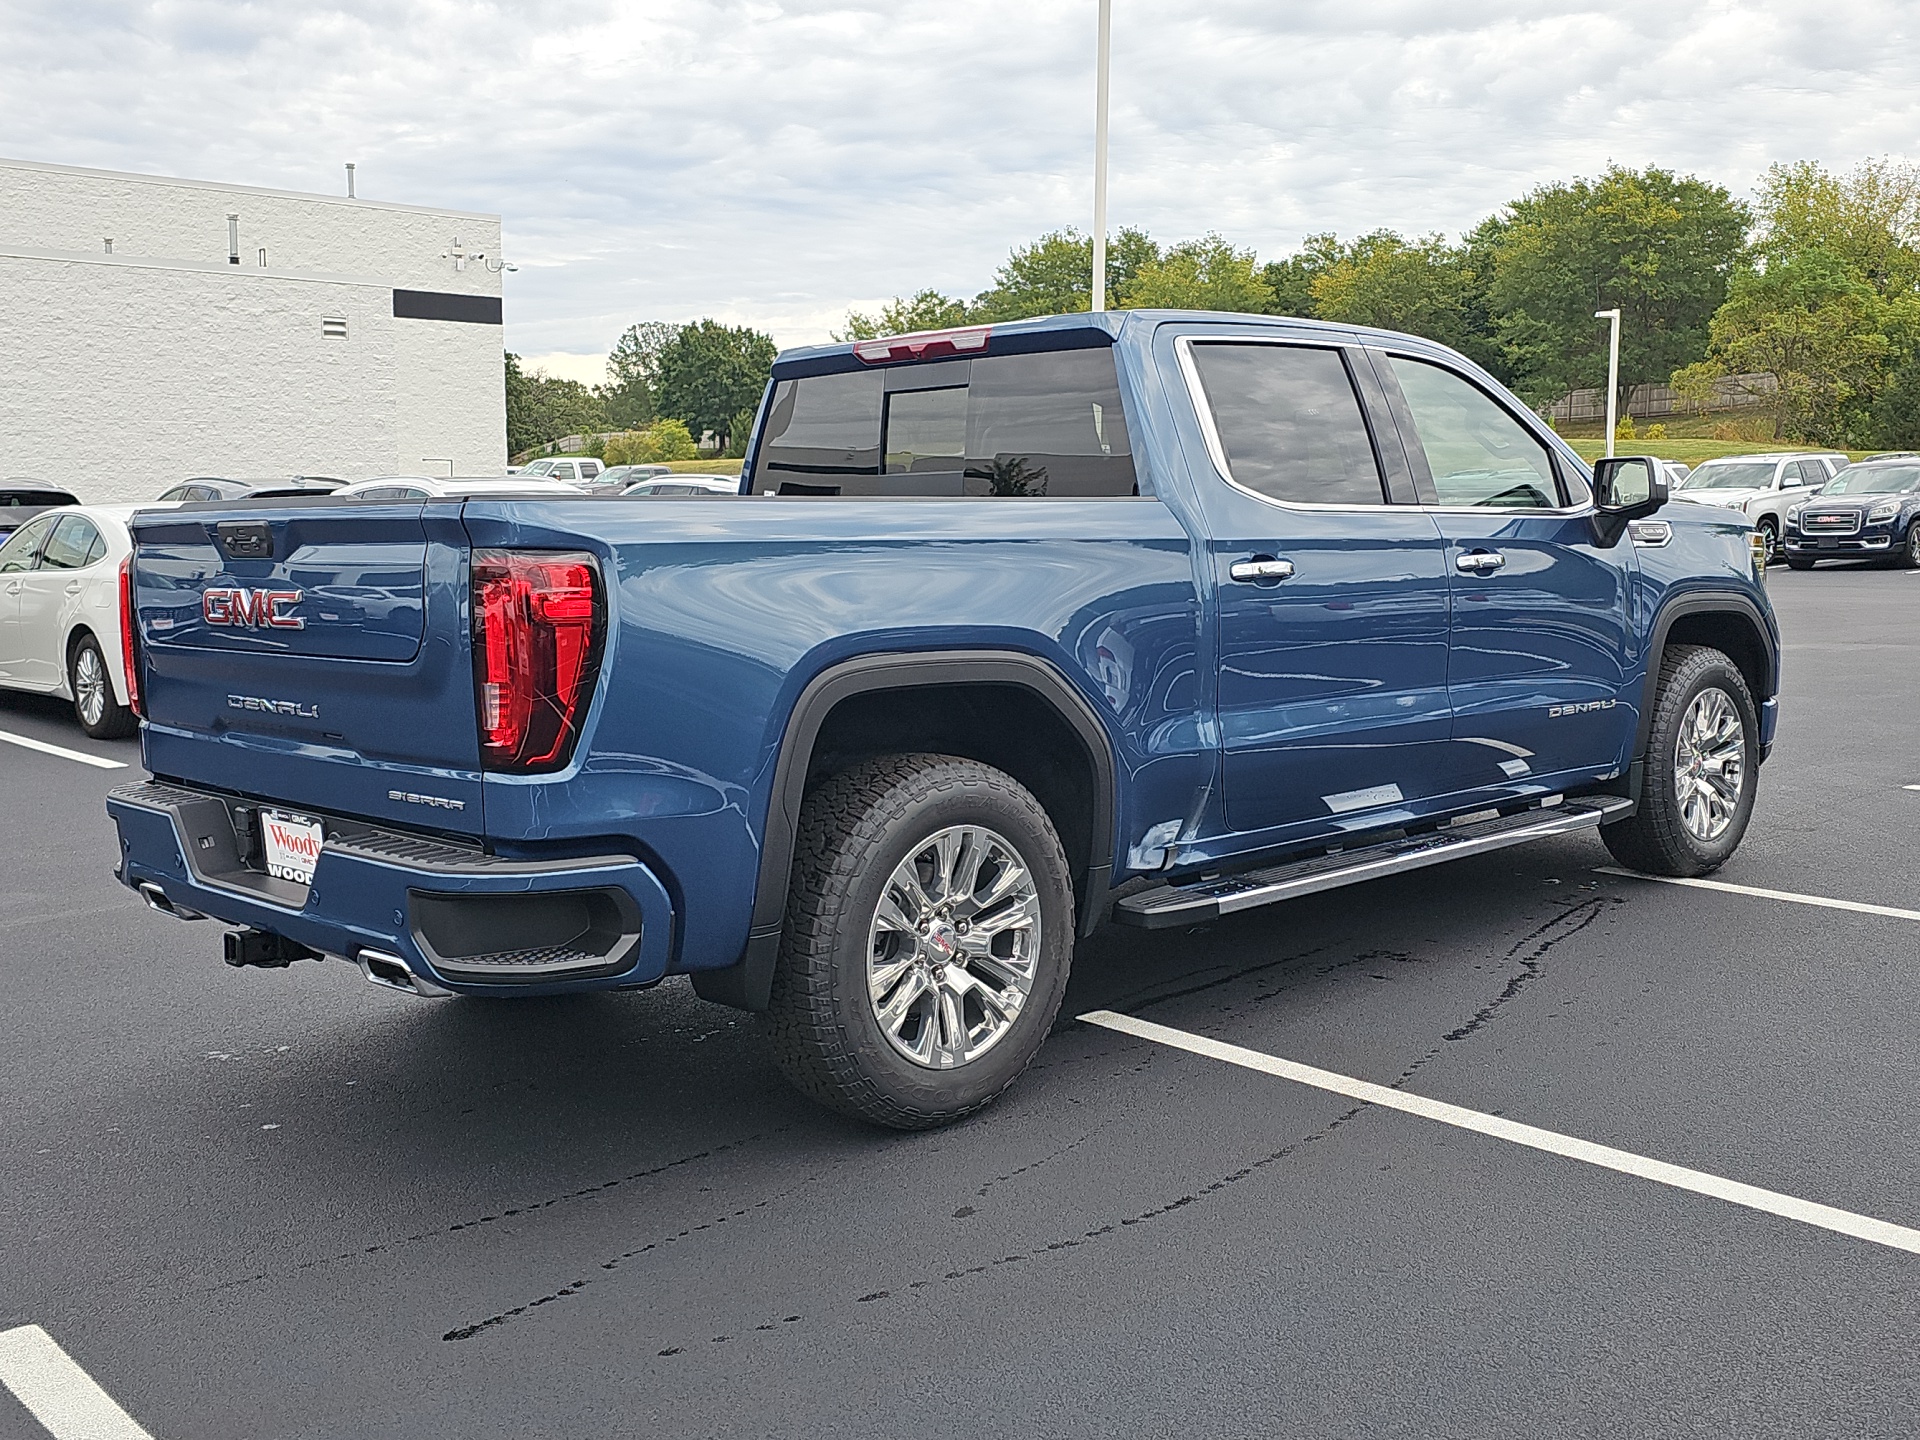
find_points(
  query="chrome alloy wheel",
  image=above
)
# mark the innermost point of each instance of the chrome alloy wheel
(953, 947)
(1913, 544)
(90, 685)
(1709, 763)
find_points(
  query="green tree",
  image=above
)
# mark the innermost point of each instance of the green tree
(1291, 280)
(1816, 328)
(542, 409)
(1867, 219)
(1054, 275)
(926, 310)
(1203, 274)
(1423, 287)
(709, 372)
(633, 373)
(1659, 246)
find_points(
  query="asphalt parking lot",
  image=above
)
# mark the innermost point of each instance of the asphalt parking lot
(279, 1204)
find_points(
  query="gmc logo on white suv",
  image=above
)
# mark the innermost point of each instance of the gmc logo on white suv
(251, 608)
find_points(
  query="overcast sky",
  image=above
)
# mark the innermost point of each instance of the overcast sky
(775, 163)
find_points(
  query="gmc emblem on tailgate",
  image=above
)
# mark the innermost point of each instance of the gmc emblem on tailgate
(251, 608)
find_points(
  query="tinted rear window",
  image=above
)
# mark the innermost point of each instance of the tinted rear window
(1041, 426)
(1290, 423)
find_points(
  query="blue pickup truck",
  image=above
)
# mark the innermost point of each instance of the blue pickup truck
(1140, 618)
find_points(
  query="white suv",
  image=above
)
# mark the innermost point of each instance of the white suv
(1761, 487)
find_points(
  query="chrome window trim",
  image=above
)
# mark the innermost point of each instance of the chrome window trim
(1217, 452)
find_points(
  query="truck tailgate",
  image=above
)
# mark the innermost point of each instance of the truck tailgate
(312, 653)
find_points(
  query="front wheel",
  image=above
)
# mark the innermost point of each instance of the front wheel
(1703, 750)
(1910, 552)
(1770, 537)
(928, 938)
(100, 714)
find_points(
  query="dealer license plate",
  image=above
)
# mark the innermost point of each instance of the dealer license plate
(291, 844)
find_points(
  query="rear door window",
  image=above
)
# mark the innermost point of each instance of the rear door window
(1049, 425)
(73, 544)
(1289, 423)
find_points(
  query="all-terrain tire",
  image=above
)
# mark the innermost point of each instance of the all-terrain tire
(857, 829)
(1657, 838)
(90, 683)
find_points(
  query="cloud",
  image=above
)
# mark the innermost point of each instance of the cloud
(775, 161)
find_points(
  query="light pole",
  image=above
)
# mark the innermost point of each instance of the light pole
(1613, 370)
(1102, 47)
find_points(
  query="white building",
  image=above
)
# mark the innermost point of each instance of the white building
(152, 329)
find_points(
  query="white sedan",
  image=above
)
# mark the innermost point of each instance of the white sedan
(60, 612)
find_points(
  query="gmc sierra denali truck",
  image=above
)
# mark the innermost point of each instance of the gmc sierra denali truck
(1141, 618)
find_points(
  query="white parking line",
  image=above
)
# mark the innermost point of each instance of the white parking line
(1822, 901)
(1807, 1212)
(44, 748)
(1912, 787)
(62, 1396)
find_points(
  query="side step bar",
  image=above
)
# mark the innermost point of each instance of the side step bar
(1171, 905)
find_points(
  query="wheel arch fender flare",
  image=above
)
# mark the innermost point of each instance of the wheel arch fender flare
(747, 982)
(1702, 602)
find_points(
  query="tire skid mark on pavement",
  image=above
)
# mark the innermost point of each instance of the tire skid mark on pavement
(585, 1192)
(1529, 951)
(1073, 1242)
(1625, 1162)
(467, 1332)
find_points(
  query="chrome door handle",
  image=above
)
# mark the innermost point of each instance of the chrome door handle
(1479, 562)
(1253, 571)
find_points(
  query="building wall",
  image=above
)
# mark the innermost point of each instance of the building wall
(57, 207)
(128, 372)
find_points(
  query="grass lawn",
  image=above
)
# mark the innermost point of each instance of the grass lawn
(1687, 452)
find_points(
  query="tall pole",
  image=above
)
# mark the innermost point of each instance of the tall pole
(1613, 372)
(1103, 47)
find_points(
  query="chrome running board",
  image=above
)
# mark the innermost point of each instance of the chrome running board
(1171, 905)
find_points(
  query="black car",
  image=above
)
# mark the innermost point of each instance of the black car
(21, 500)
(1866, 511)
(214, 487)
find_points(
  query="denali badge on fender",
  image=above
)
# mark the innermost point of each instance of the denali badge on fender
(1556, 711)
(251, 608)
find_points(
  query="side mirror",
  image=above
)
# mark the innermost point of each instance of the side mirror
(1625, 487)
(1629, 486)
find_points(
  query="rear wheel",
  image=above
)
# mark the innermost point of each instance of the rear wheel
(1702, 759)
(928, 938)
(94, 706)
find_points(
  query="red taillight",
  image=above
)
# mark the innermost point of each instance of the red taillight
(129, 661)
(924, 345)
(536, 653)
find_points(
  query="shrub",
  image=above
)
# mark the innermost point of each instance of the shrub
(1624, 430)
(664, 440)
(1656, 432)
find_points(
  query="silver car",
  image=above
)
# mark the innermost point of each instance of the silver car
(1761, 487)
